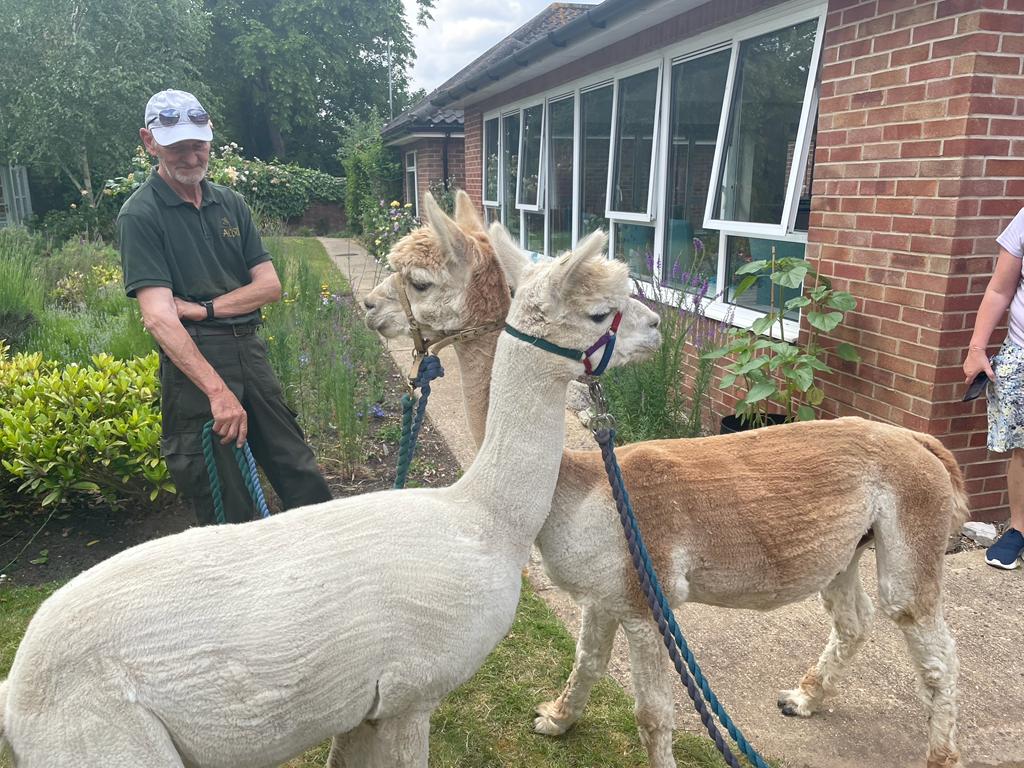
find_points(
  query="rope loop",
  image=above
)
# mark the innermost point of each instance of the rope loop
(678, 650)
(246, 465)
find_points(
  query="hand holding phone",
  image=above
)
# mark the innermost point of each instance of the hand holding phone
(977, 386)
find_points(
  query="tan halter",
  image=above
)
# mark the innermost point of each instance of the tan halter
(423, 347)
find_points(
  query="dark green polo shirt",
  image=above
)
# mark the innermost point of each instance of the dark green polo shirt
(199, 253)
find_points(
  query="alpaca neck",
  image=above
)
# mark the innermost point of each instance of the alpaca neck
(476, 358)
(514, 474)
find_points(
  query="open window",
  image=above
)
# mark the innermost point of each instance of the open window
(529, 190)
(631, 181)
(595, 145)
(761, 158)
(491, 161)
(510, 172)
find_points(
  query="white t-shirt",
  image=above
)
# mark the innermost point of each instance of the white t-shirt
(1012, 239)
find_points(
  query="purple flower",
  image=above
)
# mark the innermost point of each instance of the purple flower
(650, 262)
(677, 270)
(376, 411)
(698, 246)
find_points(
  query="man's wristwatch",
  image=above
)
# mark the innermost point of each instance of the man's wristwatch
(209, 309)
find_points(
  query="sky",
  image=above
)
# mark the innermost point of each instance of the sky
(461, 31)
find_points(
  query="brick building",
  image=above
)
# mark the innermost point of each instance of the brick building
(879, 139)
(432, 149)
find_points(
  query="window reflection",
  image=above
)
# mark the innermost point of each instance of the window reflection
(761, 295)
(559, 181)
(634, 142)
(510, 164)
(596, 119)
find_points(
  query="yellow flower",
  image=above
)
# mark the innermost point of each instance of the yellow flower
(395, 204)
(377, 241)
(408, 205)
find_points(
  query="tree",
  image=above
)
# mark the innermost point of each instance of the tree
(372, 172)
(78, 73)
(290, 70)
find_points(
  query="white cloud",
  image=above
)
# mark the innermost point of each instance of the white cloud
(461, 31)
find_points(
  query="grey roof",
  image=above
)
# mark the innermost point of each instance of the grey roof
(427, 115)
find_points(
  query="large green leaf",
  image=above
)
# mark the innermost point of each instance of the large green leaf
(842, 301)
(847, 352)
(759, 392)
(824, 321)
(752, 267)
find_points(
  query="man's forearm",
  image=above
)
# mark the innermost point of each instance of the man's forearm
(183, 352)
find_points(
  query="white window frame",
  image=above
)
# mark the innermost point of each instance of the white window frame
(647, 216)
(804, 130)
(415, 191)
(538, 206)
(483, 162)
(574, 95)
(727, 36)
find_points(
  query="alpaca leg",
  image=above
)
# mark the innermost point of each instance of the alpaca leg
(851, 611)
(593, 649)
(395, 742)
(91, 734)
(938, 666)
(652, 673)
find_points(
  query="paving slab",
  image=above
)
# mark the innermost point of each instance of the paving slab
(748, 656)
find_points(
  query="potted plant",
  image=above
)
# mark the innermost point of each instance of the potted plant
(776, 373)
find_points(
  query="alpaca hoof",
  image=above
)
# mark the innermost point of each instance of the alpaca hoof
(795, 703)
(550, 721)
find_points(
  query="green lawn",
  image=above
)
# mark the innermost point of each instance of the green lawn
(487, 722)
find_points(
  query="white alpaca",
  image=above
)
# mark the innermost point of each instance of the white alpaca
(243, 645)
(720, 531)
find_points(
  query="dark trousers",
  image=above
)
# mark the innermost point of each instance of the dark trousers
(275, 438)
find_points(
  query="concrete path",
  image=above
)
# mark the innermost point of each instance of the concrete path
(747, 656)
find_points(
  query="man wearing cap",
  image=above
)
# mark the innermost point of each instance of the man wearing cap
(193, 258)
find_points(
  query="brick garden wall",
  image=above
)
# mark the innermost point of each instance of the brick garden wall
(917, 169)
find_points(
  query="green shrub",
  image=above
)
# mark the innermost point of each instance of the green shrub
(78, 255)
(78, 221)
(72, 429)
(279, 190)
(661, 397)
(21, 294)
(75, 336)
(384, 225)
(372, 170)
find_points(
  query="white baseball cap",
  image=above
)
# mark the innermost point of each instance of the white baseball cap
(174, 116)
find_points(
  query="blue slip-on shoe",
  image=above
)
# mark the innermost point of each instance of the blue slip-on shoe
(1006, 552)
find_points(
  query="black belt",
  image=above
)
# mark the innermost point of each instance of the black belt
(247, 329)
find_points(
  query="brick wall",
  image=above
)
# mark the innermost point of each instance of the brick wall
(430, 163)
(921, 107)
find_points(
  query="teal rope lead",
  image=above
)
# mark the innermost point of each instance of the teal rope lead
(246, 465)
(429, 369)
(678, 650)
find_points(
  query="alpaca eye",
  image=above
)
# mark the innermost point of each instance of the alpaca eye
(600, 318)
(420, 286)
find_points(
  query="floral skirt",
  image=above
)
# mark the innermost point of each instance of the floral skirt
(1006, 400)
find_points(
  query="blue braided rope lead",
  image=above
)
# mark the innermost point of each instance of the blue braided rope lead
(664, 617)
(246, 465)
(429, 369)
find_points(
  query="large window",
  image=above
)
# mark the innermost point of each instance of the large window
(491, 161)
(528, 197)
(510, 172)
(596, 125)
(690, 252)
(636, 112)
(767, 129)
(691, 178)
(560, 174)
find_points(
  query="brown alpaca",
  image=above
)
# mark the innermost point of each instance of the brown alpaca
(834, 486)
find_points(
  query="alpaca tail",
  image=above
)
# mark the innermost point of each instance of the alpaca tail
(961, 503)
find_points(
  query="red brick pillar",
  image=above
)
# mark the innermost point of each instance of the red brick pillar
(916, 172)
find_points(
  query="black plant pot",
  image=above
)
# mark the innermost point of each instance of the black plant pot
(733, 423)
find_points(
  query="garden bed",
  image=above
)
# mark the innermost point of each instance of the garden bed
(79, 536)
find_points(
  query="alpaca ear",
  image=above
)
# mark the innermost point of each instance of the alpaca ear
(511, 259)
(466, 214)
(590, 248)
(453, 242)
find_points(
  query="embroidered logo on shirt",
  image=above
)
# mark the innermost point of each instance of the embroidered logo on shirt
(228, 229)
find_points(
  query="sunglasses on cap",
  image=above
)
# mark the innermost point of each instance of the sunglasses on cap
(171, 116)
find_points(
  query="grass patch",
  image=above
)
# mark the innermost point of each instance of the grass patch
(487, 723)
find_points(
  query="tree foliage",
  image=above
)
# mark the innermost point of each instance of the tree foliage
(290, 70)
(371, 170)
(78, 73)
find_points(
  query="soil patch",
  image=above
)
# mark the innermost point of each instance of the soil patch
(77, 537)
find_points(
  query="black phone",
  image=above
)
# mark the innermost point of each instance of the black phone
(977, 386)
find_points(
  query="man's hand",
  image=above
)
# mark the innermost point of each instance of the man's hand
(229, 418)
(189, 310)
